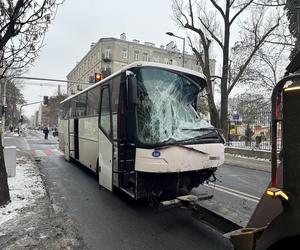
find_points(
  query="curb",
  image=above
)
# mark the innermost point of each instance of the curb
(245, 162)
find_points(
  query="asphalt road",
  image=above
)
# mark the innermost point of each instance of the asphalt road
(112, 221)
(236, 191)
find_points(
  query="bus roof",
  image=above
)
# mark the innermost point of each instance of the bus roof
(139, 64)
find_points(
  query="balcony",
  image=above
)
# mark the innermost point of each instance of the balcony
(106, 58)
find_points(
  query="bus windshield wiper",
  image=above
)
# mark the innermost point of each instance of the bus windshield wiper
(208, 135)
(182, 146)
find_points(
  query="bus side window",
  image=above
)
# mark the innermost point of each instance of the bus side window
(68, 113)
(81, 105)
(73, 107)
(105, 115)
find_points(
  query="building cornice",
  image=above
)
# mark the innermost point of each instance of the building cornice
(128, 43)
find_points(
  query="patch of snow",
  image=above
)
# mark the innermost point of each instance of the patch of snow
(264, 146)
(248, 157)
(24, 189)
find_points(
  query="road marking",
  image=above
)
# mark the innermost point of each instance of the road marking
(57, 152)
(39, 153)
(46, 152)
(239, 192)
(234, 192)
(26, 144)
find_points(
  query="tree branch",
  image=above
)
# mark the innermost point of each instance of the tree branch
(256, 47)
(240, 11)
(218, 8)
(211, 33)
(191, 12)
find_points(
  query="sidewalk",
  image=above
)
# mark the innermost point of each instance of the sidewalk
(31, 220)
(247, 162)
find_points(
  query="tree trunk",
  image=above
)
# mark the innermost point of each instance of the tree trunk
(225, 71)
(4, 191)
(214, 115)
(224, 114)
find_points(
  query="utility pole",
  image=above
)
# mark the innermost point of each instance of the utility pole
(183, 44)
(20, 120)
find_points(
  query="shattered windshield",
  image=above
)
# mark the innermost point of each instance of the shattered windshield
(164, 109)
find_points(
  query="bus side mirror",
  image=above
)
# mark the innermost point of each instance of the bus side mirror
(131, 89)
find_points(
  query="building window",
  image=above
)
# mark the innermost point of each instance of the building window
(145, 57)
(156, 59)
(107, 66)
(107, 53)
(124, 53)
(136, 55)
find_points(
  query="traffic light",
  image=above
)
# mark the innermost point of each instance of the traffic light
(98, 77)
(45, 101)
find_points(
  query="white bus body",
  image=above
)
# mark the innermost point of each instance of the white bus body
(138, 131)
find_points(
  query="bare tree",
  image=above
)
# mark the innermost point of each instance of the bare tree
(23, 24)
(265, 69)
(215, 23)
(14, 99)
(249, 104)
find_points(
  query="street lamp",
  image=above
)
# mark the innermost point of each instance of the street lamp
(172, 34)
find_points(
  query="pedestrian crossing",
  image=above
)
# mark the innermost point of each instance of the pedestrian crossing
(46, 152)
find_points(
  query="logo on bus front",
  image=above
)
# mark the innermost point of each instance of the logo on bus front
(156, 154)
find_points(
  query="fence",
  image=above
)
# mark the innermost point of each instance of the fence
(250, 130)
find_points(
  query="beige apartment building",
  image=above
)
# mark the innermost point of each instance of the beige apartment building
(109, 55)
(43, 115)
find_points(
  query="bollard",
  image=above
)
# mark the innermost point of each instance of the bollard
(10, 160)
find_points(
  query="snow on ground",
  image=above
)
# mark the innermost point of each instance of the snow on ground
(24, 188)
(263, 146)
(14, 134)
(248, 157)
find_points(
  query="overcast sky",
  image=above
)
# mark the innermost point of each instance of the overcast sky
(79, 23)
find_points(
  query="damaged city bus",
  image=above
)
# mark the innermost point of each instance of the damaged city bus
(138, 130)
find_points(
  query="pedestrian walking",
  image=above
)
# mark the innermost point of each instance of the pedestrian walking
(46, 132)
(55, 132)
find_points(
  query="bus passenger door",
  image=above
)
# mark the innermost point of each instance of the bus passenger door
(66, 135)
(76, 139)
(105, 140)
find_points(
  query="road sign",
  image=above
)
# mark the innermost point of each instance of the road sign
(236, 117)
